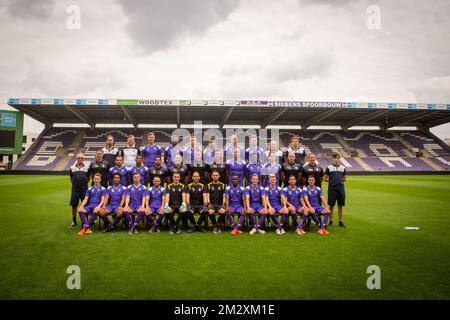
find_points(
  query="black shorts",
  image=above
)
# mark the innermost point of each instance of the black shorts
(198, 209)
(336, 194)
(175, 209)
(76, 197)
(216, 207)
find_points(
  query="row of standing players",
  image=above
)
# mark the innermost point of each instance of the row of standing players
(226, 172)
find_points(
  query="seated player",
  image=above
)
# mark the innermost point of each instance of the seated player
(92, 203)
(293, 196)
(155, 202)
(114, 201)
(313, 195)
(216, 200)
(120, 169)
(234, 203)
(174, 203)
(196, 197)
(255, 204)
(273, 204)
(141, 169)
(134, 202)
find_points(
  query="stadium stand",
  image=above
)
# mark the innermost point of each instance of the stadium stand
(377, 150)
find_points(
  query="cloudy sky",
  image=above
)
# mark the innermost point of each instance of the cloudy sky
(333, 50)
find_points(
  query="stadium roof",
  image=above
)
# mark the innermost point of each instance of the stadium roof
(232, 112)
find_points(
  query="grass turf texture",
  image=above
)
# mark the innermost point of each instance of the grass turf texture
(36, 247)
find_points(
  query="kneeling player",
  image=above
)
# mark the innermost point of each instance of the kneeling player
(92, 203)
(312, 197)
(216, 200)
(114, 201)
(134, 202)
(234, 202)
(293, 196)
(255, 196)
(273, 204)
(155, 202)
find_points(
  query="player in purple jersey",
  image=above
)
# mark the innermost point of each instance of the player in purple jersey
(113, 205)
(253, 149)
(272, 167)
(255, 204)
(236, 167)
(229, 150)
(120, 169)
(313, 195)
(274, 205)
(92, 203)
(141, 169)
(155, 201)
(253, 168)
(171, 151)
(234, 204)
(293, 196)
(189, 151)
(134, 202)
(151, 150)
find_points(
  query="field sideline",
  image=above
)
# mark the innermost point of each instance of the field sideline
(36, 247)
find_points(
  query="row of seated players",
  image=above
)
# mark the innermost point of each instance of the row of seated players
(215, 198)
(226, 170)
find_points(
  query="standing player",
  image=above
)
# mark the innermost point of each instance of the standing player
(79, 177)
(312, 168)
(274, 149)
(179, 167)
(216, 200)
(271, 168)
(175, 201)
(150, 151)
(299, 152)
(130, 152)
(255, 203)
(198, 165)
(291, 168)
(196, 196)
(158, 171)
(335, 176)
(155, 200)
(234, 203)
(313, 195)
(230, 150)
(92, 203)
(236, 167)
(253, 149)
(171, 151)
(273, 204)
(210, 151)
(293, 196)
(114, 202)
(101, 166)
(120, 169)
(189, 151)
(109, 151)
(134, 202)
(253, 167)
(219, 166)
(141, 169)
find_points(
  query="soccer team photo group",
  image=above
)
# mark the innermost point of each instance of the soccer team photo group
(144, 187)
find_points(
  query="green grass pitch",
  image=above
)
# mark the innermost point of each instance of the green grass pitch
(36, 247)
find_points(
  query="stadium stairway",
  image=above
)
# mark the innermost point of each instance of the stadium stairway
(68, 155)
(358, 159)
